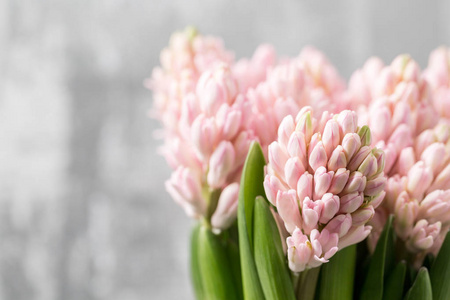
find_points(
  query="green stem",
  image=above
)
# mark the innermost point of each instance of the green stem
(306, 289)
(295, 277)
(212, 198)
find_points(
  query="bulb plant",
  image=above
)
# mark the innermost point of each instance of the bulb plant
(302, 186)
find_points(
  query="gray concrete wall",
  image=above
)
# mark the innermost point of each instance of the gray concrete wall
(83, 211)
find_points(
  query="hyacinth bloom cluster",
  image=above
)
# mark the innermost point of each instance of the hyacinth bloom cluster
(438, 75)
(398, 107)
(325, 181)
(188, 55)
(197, 96)
(418, 193)
(307, 80)
(211, 148)
(328, 185)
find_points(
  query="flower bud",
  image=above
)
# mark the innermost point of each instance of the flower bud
(358, 158)
(354, 235)
(330, 207)
(204, 135)
(351, 144)
(297, 147)
(419, 179)
(378, 199)
(381, 158)
(423, 236)
(433, 157)
(305, 187)
(351, 202)
(299, 251)
(293, 170)
(330, 137)
(311, 211)
(285, 130)
(375, 186)
(229, 120)
(277, 158)
(340, 224)
(220, 164)
(226, 210)
(406, 210)
(348, 121)
(339, 181)
(364, 134)
(322, 182)
(369, 166)
(337, 159)
(391, 155)
(304, 125)
(380, 122)
(401, 137)
(385, 84)
(405, 161)
(288, 209)
(362, 215)
(184, 187)
(425, 139)
(272, 185)
(442, 180)
(356, 183)
(411, 71)
(401, 115)
(318, 157)
(215, 88)
(436, 207)
(327, 242)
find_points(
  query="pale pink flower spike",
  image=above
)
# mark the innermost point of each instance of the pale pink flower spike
(324, 178)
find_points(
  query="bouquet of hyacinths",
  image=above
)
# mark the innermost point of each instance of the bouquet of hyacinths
(303, 186)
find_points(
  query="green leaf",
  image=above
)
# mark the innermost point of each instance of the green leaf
(252, 184)
(421, 288)
(195, 267)
(440, 272)
(380, 265)
(216, 270)
(233, 255)
(269, 255)
(337, 276)
(395, 283)
(251, 187)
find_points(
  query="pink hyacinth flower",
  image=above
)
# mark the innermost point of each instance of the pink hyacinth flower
(209, 147)
(188, 55)
(322, 176)
(418, 193)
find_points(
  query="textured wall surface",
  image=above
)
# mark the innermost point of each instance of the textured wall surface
(83, 210)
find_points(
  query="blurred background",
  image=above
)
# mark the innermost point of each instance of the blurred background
(83, 210)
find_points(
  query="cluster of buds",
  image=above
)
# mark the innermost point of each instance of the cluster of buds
(399, 110)
(399, 107)
(419, 194)
(188, 55)
(197, 97)
(325, 181)
(438, 75)
(307, 80)
(211, 148)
